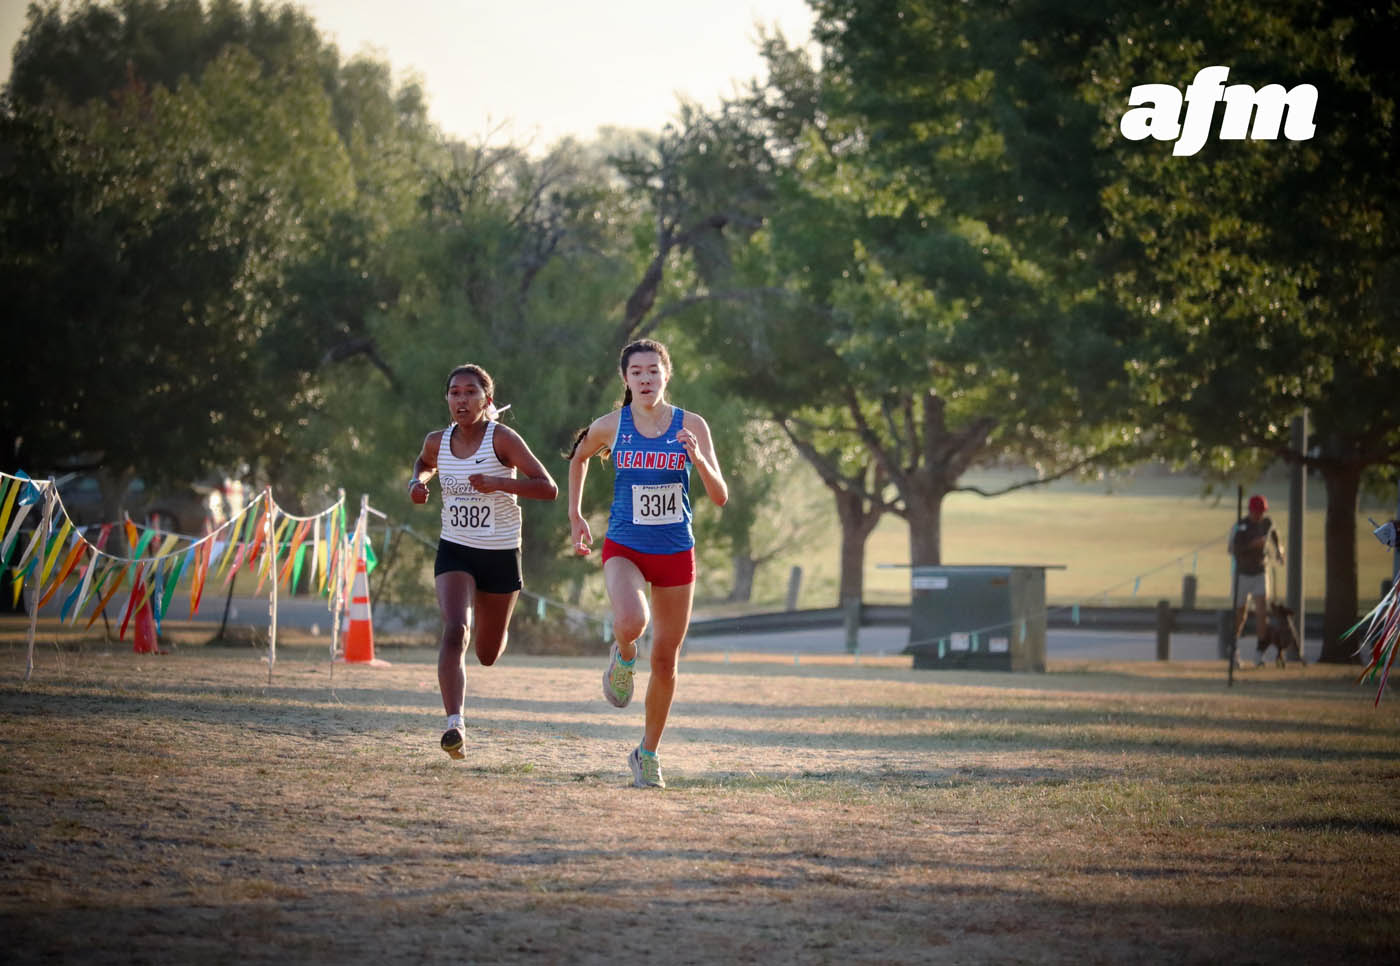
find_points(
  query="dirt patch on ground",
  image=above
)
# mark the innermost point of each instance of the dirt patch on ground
(180, 807)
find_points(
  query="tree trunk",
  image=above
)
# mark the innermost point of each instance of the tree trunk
(857, 523)
(924, 512)
(1339, 536)
(114, 484)
(222, 632)
(745, 567)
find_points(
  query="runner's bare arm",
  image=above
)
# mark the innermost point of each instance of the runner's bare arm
(695, 436)
(534, 483)
(599, 435)
(424, 467)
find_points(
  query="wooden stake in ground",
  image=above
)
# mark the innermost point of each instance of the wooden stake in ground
(272, 599)
(1235, 625)
(32, 592)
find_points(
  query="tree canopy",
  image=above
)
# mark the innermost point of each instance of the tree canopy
(928, 248)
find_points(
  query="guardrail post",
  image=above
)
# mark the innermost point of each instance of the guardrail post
(1226, 633)
(794, 585)
(1188, 592)
(852, 608)
(1164, 630)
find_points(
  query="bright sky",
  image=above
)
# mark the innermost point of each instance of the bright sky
(545, 68)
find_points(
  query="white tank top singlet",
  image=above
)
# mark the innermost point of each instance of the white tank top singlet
(486, 521)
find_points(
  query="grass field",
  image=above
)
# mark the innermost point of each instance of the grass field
(180, 808)
(1154, 527)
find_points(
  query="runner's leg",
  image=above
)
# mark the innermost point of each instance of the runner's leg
(454, 592)
(492, 619)
(671, 609)
(627, 593)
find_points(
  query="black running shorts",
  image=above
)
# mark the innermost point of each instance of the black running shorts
(495, 571)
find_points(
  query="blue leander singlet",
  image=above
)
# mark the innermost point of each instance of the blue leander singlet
(651, 488)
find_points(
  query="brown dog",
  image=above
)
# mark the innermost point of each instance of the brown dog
(1282, 634)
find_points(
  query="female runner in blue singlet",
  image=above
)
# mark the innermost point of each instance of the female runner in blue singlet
(477, 571)
(654, 447)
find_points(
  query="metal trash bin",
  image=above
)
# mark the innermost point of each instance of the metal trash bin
(988, 618)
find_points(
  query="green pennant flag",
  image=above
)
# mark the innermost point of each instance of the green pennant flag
(175, 571)
(296, 568)
(141, 544)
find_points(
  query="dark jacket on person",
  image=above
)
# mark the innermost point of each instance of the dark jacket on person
(1250, 557)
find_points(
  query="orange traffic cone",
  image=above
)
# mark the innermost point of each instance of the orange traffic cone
(144, 639)
(359, 634)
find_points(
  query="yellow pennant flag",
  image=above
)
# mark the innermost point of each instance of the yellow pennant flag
(227, 556)
(328, 551)
(56, 552)
(168, 545)
(315, 551)
(9, 505)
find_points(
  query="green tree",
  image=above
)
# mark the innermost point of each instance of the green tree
(517, 264)
(1262, 273)
(930, 324)
(133, 269)
(328, 161)
(705, 183)
(88, 50)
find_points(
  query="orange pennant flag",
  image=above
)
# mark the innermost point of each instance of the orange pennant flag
(201, 572)
(259, 532)
(297, 537)
(270, 560)
(111, 592)
(65, 570)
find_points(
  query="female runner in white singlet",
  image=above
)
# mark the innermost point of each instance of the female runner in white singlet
(477, 571)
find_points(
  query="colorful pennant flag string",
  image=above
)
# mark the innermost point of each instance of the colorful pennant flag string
(156, 560)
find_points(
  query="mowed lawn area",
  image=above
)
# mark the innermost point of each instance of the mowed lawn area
(182, 808)
(1129, 543)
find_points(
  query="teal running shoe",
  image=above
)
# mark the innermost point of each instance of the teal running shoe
(617, 679)
(646, 770)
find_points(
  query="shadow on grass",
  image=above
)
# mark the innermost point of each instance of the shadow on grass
(931, 731)
(734, 906)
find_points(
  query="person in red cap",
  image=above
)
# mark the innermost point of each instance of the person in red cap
(1249, 542)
